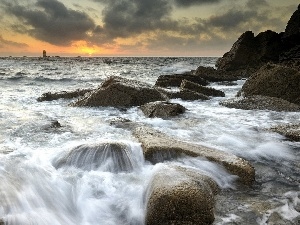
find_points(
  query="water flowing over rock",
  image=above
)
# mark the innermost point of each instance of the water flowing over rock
(274, 81)
(178, 195)
(162, 109)
(111, 157)
(120, 92)
(158, 147)
(208, 91)
(176, 79)
(63, 94)
(259, 102)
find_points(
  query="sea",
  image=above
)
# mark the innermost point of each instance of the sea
(38, 186)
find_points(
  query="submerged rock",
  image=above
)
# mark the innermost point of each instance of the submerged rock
(176, 79)
(162, 109)
(178, 195)
(208, 91)
(158, 147)
(259, 102)
(110, 157)
(291, 131)
(63, 94)
(120, 92)
(274, 81)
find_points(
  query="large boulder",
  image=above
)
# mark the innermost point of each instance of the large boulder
(259, 102)
(121, 92)
(158, 147)
(274, 81)
(162, 109)
(291, 36)
(208, 91)
(178, 195)
(49, 96)
(176, 79)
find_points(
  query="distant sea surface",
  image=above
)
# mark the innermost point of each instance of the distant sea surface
(40, 186)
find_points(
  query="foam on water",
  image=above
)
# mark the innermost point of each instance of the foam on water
(35, 191)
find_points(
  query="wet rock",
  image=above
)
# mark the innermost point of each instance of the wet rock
(178, 195)
(259, 102)
(291, 131)
(184, 94)
(274, 81)
(176, 79)
(120, 92)
(158, 147)
(111, 157)
(212, 75)
(162, 109)
(63, 94)
(276, 219)
(55, 124)
(208, 91)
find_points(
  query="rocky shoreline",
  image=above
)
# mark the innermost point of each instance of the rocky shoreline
(269, 61)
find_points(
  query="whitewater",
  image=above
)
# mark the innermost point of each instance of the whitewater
(38, 186)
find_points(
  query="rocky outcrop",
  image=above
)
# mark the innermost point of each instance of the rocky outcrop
(63, 94)
(158, 147)
(291, 131)
(176, 79)
(120, 92)
(250, 52)
(274, 81)
(259, 102)
(178, 195)
(162, 109)
(208, 91)
(183, 94)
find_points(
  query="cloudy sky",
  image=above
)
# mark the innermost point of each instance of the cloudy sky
(134, 27)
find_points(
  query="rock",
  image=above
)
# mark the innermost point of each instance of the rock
(111, 157)
(250, 52)
(176, 79)
(212, 75)
(185, 94)
(291, 131)
(63, 94)
(259, 102)
(208, 91)
(274, 81)
(55, 124)
(158, 147)
(178, 195)
(162, 109)
(120, 92)
(291, 36)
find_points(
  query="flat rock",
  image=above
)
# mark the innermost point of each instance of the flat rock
(162, 109)
(48, 96)
(175, 80)
(178, 195)
(120, 92)
(158, 146)
(291, 131)
(259, 102)
(208, 91)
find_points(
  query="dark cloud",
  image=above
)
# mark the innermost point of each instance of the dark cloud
(52, 22)
(231, 19)
(7, 43)
(187, 3)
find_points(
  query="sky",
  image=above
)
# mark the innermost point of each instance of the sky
(134, 27)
